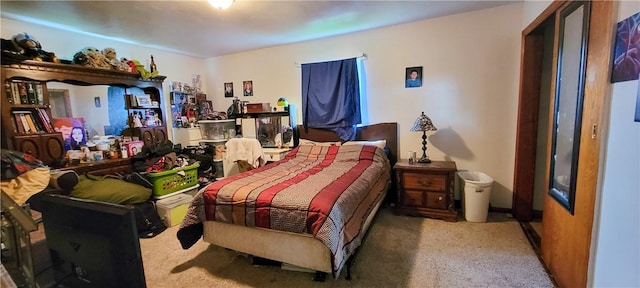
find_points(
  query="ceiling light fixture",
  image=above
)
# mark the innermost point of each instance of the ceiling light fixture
(221, 4)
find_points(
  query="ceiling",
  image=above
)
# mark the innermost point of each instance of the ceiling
(197, 29)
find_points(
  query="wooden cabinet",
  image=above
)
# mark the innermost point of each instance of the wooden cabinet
(426, 189)
(150, 136)
(28, 79)
(105, 167)
(26, 120)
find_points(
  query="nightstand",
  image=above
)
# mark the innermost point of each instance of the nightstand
(275, 154)
(426, 189)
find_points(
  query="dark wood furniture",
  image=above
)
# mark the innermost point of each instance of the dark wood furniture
(388, 131)
(104, 167)
(48, 146)
(426, 189)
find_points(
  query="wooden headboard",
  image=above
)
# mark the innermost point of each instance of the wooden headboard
(387, 131)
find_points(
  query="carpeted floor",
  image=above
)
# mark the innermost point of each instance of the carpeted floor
(398, 252)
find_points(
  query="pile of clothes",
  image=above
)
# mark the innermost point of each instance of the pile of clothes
(159, 158)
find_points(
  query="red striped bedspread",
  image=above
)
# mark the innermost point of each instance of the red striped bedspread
(324, 191)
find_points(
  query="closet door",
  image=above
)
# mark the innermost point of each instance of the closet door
(580, 96)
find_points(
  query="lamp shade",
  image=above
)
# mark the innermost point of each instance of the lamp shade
(423, 123)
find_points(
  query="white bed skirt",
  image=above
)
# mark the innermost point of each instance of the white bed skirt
(293, 248)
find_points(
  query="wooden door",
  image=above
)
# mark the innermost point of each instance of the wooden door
(566, 237)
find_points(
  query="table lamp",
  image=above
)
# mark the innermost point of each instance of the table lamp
(423, 123)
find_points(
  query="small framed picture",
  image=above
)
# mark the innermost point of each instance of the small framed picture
(247, 88)
(413, 77)
(143, 100)
(228, 89)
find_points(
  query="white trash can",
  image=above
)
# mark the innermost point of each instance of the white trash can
(477, 193)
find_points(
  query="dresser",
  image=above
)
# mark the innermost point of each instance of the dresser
(426, 189)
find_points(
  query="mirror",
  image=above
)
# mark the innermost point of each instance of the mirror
(102, 107)
(568, 103)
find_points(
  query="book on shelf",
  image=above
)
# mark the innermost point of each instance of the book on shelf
(8, 92)
(25, 123)
(31, 93)
(46, 122)
(19, 124)
(32, 122)
(22, 91)
(40, 93)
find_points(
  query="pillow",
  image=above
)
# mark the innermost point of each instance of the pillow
(111, 190)
(316, 143)
(379, 143)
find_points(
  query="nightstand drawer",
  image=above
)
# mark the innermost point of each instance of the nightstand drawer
(413, 198)
(436, 200)
(432, 182)
(275, 154)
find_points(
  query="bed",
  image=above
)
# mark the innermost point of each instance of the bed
(311, 209)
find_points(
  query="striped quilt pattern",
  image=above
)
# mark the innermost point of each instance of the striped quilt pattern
(320, 190)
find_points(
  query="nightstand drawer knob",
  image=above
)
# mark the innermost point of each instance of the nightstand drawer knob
(424, 183)
(440, 198)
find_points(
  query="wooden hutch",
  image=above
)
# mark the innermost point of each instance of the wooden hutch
(45, 143)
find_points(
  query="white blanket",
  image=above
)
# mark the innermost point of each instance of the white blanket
(246, 149)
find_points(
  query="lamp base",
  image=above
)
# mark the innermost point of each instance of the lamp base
(424, 160)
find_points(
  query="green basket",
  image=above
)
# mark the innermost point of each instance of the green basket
(170, 181)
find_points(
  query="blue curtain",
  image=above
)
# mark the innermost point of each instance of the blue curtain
(331, 96)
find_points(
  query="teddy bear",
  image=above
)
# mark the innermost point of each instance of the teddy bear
(112, 58)
(91, 57)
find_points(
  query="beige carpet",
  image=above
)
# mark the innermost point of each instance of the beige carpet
(399, 252)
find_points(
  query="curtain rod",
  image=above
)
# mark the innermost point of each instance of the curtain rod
(362, 57)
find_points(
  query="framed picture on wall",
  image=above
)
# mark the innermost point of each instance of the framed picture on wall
(626, 57)
(413, 77)
(228, 89)
(247, 88)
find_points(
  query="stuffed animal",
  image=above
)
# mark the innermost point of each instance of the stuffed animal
(143, 71)
(112, 58)
(24, 47)
(94, 58)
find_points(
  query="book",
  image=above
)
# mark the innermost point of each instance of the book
(40, 93)
(22, 91)
(31, 93)
(19, 124)
(8, 92)
(15, 93)
(46, 121)
(31, 122)
(25, 124)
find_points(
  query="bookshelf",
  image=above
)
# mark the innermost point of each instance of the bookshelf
(26, 120)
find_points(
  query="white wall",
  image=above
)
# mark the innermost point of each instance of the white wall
(616, 242)
(470, 91)
(65, 44)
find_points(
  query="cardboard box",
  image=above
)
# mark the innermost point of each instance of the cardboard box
(173, 209)
(258, 107)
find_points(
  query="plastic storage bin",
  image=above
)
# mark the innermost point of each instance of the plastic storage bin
(173, 209)
(217, 130)
(477, 193)
(173, 181)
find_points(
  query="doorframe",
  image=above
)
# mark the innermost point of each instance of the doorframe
(65, 98)
(528, 106)
(566, 240)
